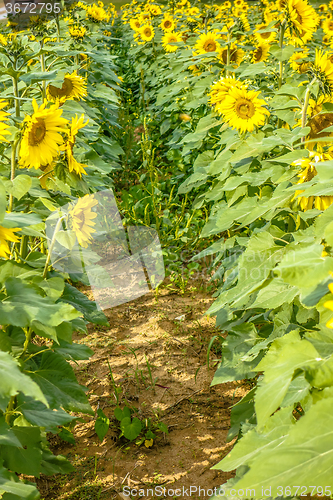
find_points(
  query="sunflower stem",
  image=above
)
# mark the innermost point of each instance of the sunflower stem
(306, 104)
(9, 410)
(12, 171)
(17, 95)
(42, 66)
(282, 30)
(49, 255)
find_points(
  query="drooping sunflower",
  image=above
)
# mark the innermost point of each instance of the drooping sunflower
(220, 89)
(265, 36)
(77, 32)
(168, 23)
(3, 117)
(73, 164)
(42, 137)
(298, 61)
(81, 219)
(302, 21)
(207, 43)
(170, 38)
(309, 171)
(260, 53)
(6, 235)
(243, 110)
(323, 71)
(73, 87)
(236, 55)
(147, 33)
(318, 121)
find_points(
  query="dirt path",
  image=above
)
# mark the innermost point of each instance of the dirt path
(171, 334)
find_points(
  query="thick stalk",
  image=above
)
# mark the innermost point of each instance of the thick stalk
(9, 410)
(17, 95)
(42, 65)
(12, 171)
(48, 259)
(282, 30)
(306, 104)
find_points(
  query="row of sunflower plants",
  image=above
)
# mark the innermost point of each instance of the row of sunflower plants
(58, 120)
(239, 99)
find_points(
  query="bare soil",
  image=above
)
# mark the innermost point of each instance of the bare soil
(167, 335)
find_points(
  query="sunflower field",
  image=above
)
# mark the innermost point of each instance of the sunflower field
(212, 124)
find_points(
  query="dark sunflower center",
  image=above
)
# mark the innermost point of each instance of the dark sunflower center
(167, 24)
(258, 54)
(37, 133)
(265, 35)
(245, 109)
(210, 46)
(147, 32)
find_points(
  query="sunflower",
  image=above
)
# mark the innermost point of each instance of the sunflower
(302, 20)
(260, 53)
(322, 8)
(243, 110)
(265, 36)
(77, 32)
(323, 71)
(47, 174)
(96, 13)
(81, 219)
(42, 136)
(170, 38)
(318, 121)
(328, 27)
(236, 55)
(73, 165)
(135, 24)
(219, 90)
(3, 40)
(6, 235)
(73, 87)
(3, 117)
(207, 43)
(309, 171)
(147, 33)
(168, 23)
(298, 62)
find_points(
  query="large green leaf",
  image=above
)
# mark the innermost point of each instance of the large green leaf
(58, 382)
(304, 457)
(81, 302)
(38, 414)
(27, 458)
(13, 381)
(24, 305)
(285, 356)
(9, 484)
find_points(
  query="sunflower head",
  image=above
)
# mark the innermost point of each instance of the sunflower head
(260, 53)
(73, 87)
(322, 69)
(208, 42)
(81, 219)
(169, 39)
(147, 32)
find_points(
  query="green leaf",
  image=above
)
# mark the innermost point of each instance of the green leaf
(285, 355)
(24, 305)
(305, 267)
(10, 484)
(67, 436)
(13, 381)
(304, 457)
(57, 380)
(27, 458)
(38, 414)
(131, 429)
(38, 76)
(81, 302)
(7, 436)
(101, 425)
(120, 414)
(19, 186)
